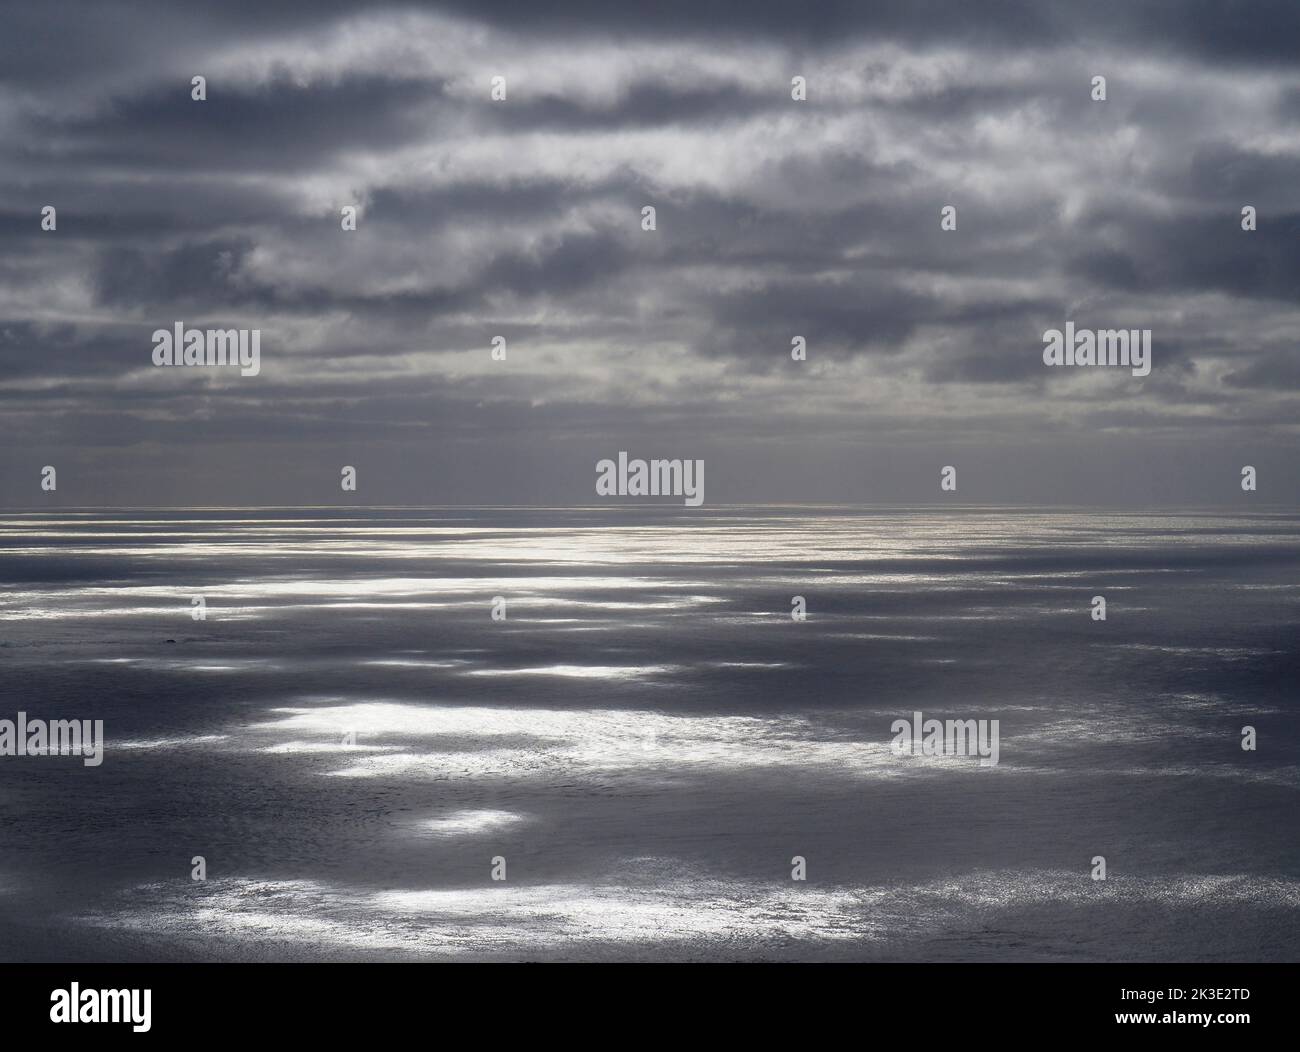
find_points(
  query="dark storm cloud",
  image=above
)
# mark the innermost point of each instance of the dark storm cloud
(1273, 371)
(522, 219)
(274, 126)
(1196, 252)
(838, 317)
(1268, 31)
(193, 274)
(1258, 30)
(206, 276)
(568, 265)
(429, 208)
(80, 355)
(1237, 176)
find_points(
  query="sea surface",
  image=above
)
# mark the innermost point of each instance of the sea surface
(648, 739)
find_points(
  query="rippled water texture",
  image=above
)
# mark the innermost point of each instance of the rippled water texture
(648, 739)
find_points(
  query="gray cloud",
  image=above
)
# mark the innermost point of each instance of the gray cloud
(522, 219)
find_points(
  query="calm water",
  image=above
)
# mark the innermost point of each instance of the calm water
(649, 738)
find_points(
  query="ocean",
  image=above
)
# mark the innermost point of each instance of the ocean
(643, 742)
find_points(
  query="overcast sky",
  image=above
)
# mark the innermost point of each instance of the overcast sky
(522, 219)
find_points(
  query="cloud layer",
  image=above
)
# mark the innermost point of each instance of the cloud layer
(521, 218)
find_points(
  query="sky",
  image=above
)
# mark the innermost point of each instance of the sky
(775, 218)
